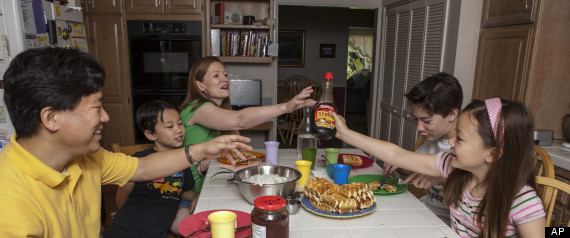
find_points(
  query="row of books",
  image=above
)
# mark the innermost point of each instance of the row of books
(242, 43)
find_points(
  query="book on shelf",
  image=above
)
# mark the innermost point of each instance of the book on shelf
(240, 43)
(215, 42)
(218, 13)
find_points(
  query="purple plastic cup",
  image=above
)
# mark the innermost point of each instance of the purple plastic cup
(272, 152)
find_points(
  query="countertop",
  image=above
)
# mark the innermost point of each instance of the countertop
(560, 155)
(397, 215)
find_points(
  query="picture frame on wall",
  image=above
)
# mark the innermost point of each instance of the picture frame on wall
(327, 50)
(291, 49)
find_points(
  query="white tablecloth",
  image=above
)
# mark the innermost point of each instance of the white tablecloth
(398, 215)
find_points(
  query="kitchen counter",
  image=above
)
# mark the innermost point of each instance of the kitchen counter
(397, 215)
(560, 155)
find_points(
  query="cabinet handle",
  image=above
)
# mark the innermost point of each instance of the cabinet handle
(165, 2)
(89, 2)
(159, 2)
(526, 5)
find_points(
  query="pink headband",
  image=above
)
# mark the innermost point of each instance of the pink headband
(494, 107)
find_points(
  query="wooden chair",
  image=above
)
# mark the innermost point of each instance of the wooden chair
(129, 149)
(546, 167)
(548, 194)
(297, 115)
(283, 122)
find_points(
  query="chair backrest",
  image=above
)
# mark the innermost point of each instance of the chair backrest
(546, 168)
(283, 91)
(550, 188)
(129, 149)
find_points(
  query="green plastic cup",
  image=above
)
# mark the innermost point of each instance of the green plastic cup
(310, 154)
(332, 155)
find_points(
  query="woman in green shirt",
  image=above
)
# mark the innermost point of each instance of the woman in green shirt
(206, 112)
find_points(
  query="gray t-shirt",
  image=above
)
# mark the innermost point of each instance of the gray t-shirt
(434, 200)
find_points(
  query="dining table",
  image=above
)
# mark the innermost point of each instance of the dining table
(395, 215)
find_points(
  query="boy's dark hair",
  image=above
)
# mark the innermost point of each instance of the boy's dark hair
(48, 77)
(148, 114)
(437, 94)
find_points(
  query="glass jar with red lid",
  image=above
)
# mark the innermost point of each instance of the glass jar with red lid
(269, 217)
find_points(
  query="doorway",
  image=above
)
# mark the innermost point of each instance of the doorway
(326, 26)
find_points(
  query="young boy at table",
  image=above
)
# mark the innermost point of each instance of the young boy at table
(148, 208)
(436, 103)
(52, 169)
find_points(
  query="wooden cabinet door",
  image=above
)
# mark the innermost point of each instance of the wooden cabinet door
(145, 6)
(509, 12)
(101, 6)
(183, 6)
(502, 62)
(107, 43)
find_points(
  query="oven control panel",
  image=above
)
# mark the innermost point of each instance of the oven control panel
(156, 27)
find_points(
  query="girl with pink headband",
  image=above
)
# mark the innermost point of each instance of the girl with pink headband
(490, 185)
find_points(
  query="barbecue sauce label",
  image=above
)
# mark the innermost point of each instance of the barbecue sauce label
(322, 116)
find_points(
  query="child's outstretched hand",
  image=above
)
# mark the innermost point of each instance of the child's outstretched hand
(340, 124)
(224, 145)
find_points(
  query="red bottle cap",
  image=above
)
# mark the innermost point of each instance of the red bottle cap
(328, 76)
(269, 202)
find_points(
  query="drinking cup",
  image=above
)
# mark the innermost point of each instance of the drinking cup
(332, 155)
(272, 152)
(304, 166)
(341, 172)
(309, 154)
(223, 224)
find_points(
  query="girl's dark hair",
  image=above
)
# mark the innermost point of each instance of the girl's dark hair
(197, 73)
(511, 169)
(48, 77)
(148, 114)
(437, 94)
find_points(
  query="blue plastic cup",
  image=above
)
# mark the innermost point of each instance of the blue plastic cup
(341, 172)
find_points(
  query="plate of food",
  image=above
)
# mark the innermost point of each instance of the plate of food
(249, 155)
(199, 221)
(324, 198)
(373, 182)
(355, 161)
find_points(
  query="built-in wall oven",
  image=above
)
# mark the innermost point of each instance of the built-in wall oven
(161, 55)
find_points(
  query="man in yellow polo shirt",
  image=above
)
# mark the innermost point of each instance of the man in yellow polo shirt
(52, 169)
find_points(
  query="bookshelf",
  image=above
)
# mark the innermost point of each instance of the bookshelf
(238, 49)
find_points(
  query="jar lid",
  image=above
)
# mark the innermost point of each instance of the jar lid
(328, 76)
(269, 202)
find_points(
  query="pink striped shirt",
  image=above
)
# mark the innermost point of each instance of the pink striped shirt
(526, 207)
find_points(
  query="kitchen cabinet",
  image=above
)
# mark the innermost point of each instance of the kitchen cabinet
(163, 6)
(413, 43)
(528, 63)
(508, 12)
(260, 9)
(102, 6)
(107, 43)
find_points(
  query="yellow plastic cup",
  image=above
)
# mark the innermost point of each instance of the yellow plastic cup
(223, 224)
(304, 166)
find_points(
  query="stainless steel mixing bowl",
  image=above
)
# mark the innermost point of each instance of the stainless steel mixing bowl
(251, 191)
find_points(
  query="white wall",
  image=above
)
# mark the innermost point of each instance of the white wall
(467, 43)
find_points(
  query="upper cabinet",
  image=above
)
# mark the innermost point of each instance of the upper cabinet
(528, 63)
(508, 12)
(164, 6)
(102, 6)
(234, 40)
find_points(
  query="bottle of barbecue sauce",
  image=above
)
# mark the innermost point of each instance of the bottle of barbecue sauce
(322, 123)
